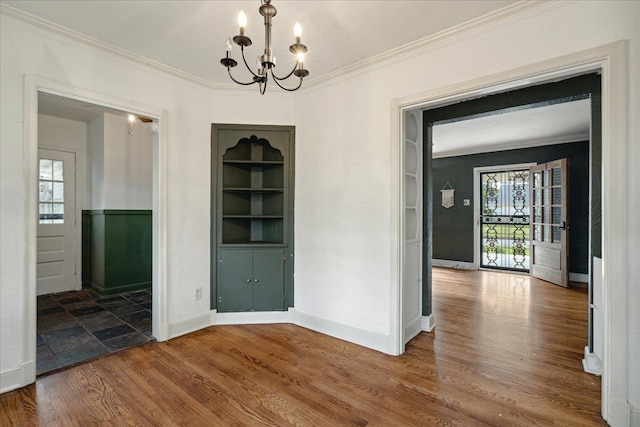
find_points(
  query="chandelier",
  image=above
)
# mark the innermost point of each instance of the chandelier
(266, 62)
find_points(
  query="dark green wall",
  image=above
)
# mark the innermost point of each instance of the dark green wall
(117, 250)
(453, 228)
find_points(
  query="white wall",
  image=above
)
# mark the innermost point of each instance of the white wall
(95, 164)
(62, 134)
(344, 197)
(191, 108)
(343, 259)
(120, 165)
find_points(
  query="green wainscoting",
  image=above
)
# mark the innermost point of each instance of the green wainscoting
(116, 250)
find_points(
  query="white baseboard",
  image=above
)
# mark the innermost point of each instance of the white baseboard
(619, 413)
(591, 363)
(453, 264)
(428, 322)
(579, 277)
(383, 343)
(11, 380)
(635, 416)
(21, 376)
(412, 329)
(375, 341)
(250, 317)
(187, 326)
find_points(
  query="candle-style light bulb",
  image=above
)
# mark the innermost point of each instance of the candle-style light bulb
(300, 57)
(297, 31)
(242, 21)
(228, 44)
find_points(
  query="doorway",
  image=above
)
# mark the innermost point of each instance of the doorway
(57, 222)
(502, 201)
(610, 62)
(111, 307)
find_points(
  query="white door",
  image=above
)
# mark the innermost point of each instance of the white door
(57, 223)
(550, 240)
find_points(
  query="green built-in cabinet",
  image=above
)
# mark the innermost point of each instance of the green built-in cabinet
(252, 209)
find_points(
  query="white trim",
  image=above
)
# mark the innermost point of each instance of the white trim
(33, 85)
(12, 379)
(476, 201)
(468, 29)
(579, 277)
(250, 317)
(412, 329)
(68, 33)
(448, 263)
(428, 323)
(635, 416)
(611, 60)
(591, 363)
(531, 143)
(373, 340)
(188, 326)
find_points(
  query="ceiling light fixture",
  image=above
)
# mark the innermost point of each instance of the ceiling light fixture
(266, 62)
(131, 119)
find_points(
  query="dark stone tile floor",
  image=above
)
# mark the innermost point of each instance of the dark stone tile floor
(77, 326)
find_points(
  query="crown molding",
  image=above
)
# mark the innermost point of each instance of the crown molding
(500, 17)
(516, 145)
(49, 26)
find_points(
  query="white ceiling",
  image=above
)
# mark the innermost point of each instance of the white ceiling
(565, 122)
(189, 36)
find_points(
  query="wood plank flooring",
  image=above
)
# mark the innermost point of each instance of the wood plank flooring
(506, 351)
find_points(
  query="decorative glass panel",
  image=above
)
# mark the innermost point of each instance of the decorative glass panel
(505, 221)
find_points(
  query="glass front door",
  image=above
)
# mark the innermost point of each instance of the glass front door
(505, 220)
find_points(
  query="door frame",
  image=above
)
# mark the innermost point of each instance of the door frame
(477, 171)
(611, 61)
(33, 85)
(78, 178)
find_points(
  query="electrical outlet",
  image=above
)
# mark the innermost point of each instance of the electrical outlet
(466, 202)
(197, 294)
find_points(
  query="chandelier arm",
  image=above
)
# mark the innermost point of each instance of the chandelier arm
(287, 76)
(284, 88)
(238, 82)
(246, 64)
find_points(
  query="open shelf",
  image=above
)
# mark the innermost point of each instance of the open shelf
(253, 193)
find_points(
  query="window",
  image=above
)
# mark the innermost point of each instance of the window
(51, 191)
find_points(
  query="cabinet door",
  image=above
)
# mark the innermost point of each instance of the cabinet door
(235, 281)
(268, 270)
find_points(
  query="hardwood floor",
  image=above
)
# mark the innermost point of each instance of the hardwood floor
(506, 351)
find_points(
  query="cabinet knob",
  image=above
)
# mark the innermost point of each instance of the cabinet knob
(256, 280)
(248, 280)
